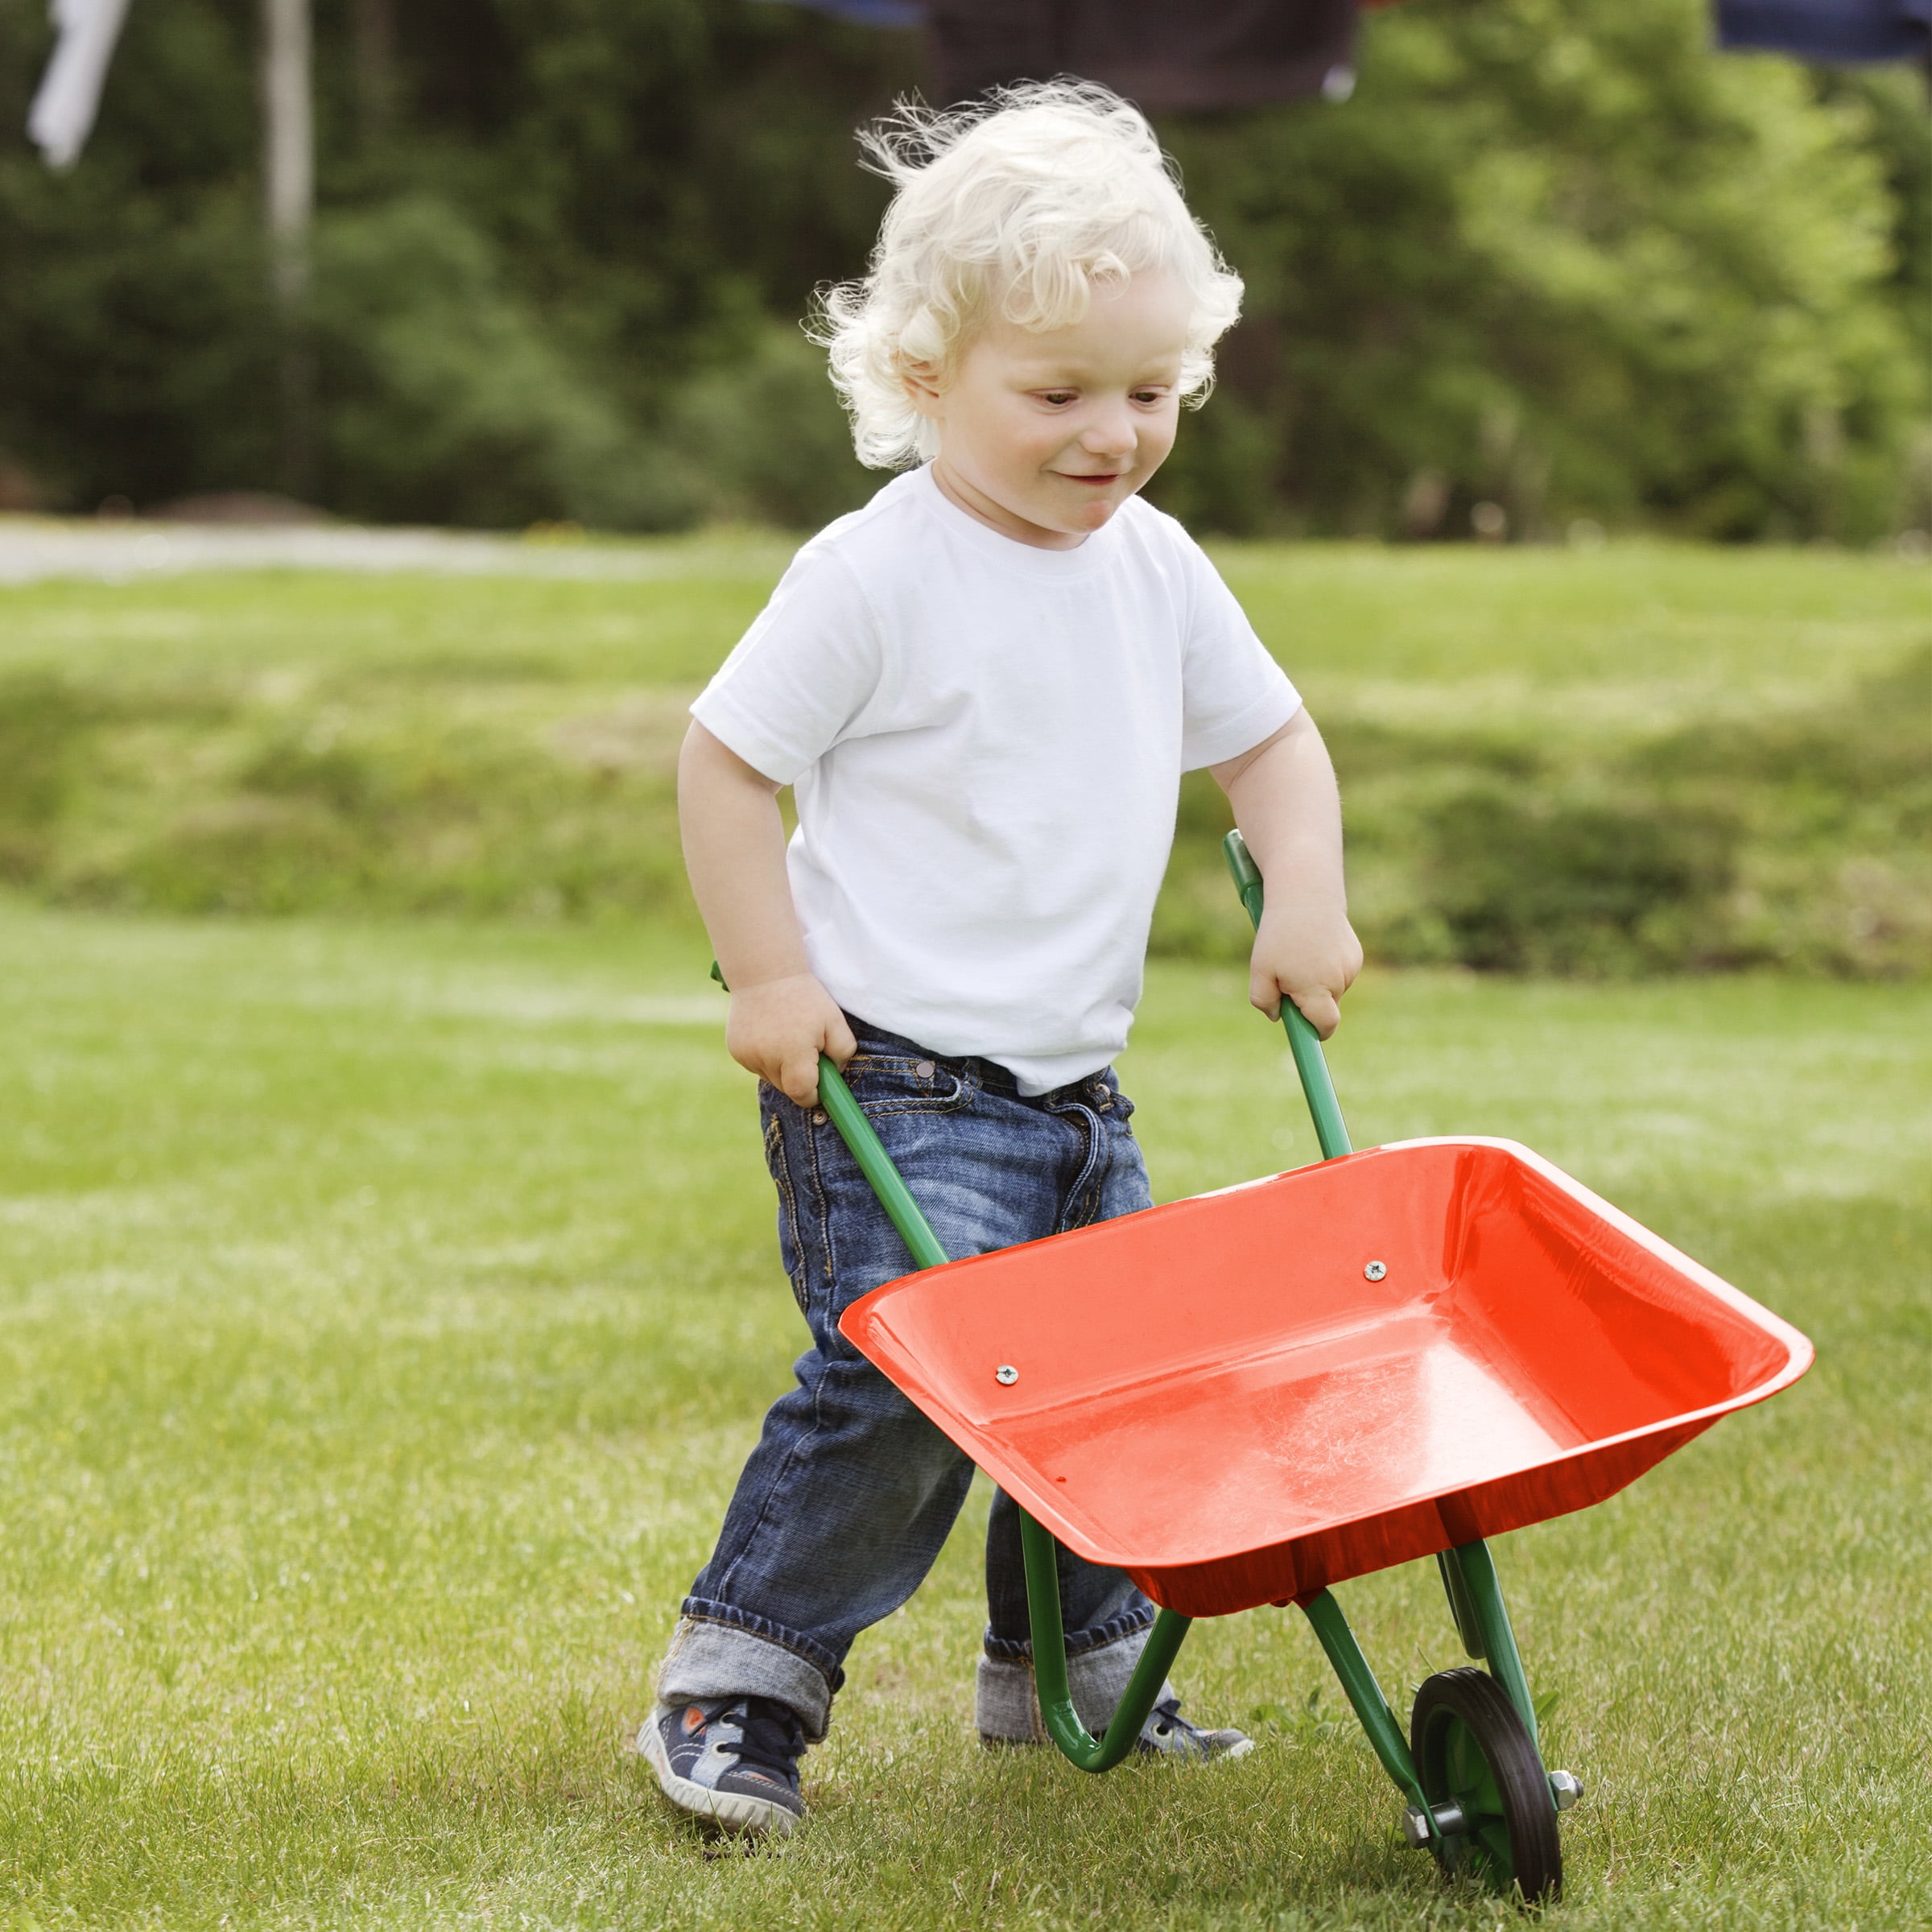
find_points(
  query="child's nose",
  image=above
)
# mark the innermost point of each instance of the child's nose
(1109, 434)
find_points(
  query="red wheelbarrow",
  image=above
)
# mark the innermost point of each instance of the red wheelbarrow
(1244, 1398)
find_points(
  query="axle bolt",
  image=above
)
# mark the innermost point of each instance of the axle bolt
(1449, 1822)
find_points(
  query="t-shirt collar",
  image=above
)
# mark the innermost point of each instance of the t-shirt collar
(1008, 553)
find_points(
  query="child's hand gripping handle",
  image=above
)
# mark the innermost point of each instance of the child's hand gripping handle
(1303, 1040)
(874, 1162)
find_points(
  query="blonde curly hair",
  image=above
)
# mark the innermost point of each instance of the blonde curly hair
(1026, 201)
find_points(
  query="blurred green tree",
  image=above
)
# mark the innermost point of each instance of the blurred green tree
(1558, 256)
(1561, 259)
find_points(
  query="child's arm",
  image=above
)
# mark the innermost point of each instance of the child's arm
(1285, 803)
(781, 1018)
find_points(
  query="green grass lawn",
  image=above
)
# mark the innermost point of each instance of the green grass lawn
(386, 1309)
(1661, 633)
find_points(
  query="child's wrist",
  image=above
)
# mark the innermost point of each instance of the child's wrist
(755, 980)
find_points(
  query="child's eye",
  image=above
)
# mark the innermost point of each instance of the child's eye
(1148, 395)
(1058, 398)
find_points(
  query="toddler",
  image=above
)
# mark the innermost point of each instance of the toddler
(983, 688)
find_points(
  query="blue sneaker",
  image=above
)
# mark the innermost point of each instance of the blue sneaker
(1006, 1710)
(1167, 1734)
(730, 1761)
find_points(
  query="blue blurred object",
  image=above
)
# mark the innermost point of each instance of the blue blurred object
(1164, 56)
(1161, 55)
(1829, 31)
(865, 13)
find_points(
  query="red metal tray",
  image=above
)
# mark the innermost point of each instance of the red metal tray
(1224, 1398)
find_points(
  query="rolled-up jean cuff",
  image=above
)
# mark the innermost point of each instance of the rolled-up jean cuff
(1134, 1623)
(1097, 1677)
(715, 1652)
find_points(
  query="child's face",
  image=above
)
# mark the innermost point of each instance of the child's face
(1044, 434)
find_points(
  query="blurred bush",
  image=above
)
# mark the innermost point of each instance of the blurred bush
(449, 398)
(1797, 841)
(1550, 884)
(43, 723)
(764, 441)
(1801, 842)
(1561, 259)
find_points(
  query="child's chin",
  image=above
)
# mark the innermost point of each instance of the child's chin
(1089, 510)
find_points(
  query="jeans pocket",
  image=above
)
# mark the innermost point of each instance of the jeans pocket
(885, 1084)
(792, 1250)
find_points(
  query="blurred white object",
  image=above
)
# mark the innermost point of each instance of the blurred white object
(288, 141)
(130, 550)
(62, 116)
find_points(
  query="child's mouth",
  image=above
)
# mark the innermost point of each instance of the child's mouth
(1112, 475)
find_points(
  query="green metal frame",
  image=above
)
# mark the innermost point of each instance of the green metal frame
(1076, 1741)
(1468, 1574)
(1063, 1722)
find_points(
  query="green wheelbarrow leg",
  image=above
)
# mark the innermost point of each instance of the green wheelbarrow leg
(1077, 1743)
(1366, 1694)
(1473, 1567)
(1461, 1606)
(1042, 1572)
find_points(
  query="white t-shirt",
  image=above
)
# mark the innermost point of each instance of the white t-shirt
(986, 741)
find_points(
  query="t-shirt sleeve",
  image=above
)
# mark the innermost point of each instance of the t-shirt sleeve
(799, 677)
(1233, 693)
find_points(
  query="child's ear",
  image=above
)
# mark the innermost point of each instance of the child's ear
(922, 381)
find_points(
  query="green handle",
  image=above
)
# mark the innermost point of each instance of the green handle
(875, 1163)
(1062, 1721)
(1303, 1040)
(1042, 1577)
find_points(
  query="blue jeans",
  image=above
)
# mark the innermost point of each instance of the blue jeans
(844, 1505)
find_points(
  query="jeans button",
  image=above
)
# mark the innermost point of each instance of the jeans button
(924, 1070)
(819, 1118)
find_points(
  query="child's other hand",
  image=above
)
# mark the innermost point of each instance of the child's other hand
(1312, 960)
(778, 1031)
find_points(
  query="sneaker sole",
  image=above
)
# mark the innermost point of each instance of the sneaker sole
(1155, 1755)
(990, 1743)
(727, 1810)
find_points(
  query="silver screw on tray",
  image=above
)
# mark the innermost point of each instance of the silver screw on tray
(1376, 1271)
(1006, 1373)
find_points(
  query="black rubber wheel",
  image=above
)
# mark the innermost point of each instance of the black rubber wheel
(1472, 1750)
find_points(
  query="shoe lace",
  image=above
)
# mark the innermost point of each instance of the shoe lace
(1166, 1716)
(772, 1739)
